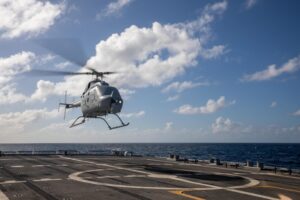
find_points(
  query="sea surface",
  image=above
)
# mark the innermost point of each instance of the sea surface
(281, 155)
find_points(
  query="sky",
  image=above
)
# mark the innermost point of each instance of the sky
(189, 71)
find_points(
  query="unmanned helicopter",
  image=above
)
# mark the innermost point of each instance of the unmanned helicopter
(98, 99)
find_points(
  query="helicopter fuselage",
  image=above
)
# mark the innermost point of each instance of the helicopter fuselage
(100, 99)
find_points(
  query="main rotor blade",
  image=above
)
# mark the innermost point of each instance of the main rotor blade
(99, 73)
(69, 48)
(56, 73)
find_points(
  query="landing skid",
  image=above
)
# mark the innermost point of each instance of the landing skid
(75, 123)
(114, 127)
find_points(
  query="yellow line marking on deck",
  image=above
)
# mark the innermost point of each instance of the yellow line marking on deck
(181, 193)
(283, 197)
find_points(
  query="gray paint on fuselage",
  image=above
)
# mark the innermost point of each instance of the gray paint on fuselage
(101, 100)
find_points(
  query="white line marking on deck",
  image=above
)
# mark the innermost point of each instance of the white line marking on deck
(3, 196)
(252, 182)
(11, 182)
(251, 194)
(40, 165)
(8, 159)
(75, 176)
(63, 165)
(102, 177)
(135, 176)
(228, 169)
(47, 179)
(17, 166)
(273, 174)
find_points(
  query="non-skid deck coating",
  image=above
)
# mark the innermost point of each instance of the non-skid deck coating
(111, 177)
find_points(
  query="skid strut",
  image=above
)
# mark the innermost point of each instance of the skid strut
(76, 123)
(114, 127)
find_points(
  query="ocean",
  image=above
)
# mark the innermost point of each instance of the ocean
(281, 155)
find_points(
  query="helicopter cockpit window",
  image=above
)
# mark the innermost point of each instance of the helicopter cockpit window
(108, 91)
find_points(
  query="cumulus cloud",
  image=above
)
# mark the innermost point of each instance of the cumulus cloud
(297, 113)
(46, 58)
(273, 104)
(223, 125)
(210, 12)
(9, 95)
(113, 8)
(63, 65)
(16, 121)
(10, 67)
(250, 4)
(210, 107)
(20, 63)
(134, 114)
(181, 86)
(291, 129)
(138, 51)
(168, 126)
(15, 64)
(173, 98)
(273, 71)
(126, 93)
(27, 17)
(213, 52)
(149, 56)
(44, 88)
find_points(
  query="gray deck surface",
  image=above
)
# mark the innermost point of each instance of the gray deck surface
(112, 177)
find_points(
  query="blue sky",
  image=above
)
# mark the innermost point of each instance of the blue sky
(196, 71)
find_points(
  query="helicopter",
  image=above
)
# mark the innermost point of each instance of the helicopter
(98, 99)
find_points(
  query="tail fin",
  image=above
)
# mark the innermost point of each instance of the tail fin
(65, 104)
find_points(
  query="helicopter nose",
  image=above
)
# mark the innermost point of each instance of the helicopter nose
(116, 105)
(117, 101)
